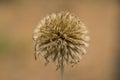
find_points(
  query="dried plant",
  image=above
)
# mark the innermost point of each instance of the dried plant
(62, 38)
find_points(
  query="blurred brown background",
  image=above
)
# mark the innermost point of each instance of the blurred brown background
(18, 18)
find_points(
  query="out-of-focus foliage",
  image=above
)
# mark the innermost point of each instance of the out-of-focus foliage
(4, 43)
(6, 1)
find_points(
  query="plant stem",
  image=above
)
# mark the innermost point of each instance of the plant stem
(62, 70)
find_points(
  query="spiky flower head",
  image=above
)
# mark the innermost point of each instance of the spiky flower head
(61, 37)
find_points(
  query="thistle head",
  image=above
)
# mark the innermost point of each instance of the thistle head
(61, 37)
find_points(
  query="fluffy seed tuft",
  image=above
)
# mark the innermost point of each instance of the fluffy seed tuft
(61, 37)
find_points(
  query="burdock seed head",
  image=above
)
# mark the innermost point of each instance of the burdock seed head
(61, 37)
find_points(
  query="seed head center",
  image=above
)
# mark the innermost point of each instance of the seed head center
(60, 36)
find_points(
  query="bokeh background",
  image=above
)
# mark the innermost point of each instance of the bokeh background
(18, 18)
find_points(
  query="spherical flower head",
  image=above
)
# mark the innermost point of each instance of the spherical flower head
(61, 37)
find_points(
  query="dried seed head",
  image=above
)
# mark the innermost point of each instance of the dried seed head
(61, 37)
